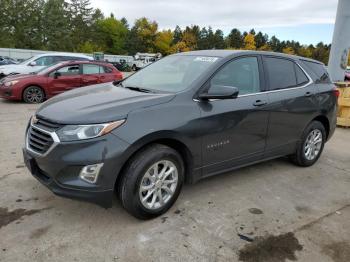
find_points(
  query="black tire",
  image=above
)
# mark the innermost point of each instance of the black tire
(300, 158)
(33, 95)
(134, 68)
(129, 185)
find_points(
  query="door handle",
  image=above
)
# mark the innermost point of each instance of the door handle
(259, 103)
(308, 94)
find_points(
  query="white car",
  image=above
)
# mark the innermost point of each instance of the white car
(38, 62)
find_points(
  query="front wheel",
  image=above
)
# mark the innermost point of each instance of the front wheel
(311, 146)
(151, 181)
(33, 95)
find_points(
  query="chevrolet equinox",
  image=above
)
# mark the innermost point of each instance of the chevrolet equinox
(183, 118)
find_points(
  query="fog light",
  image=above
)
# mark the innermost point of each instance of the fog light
(90, 173)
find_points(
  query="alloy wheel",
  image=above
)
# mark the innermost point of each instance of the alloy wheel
(313, 144)
(158, 184)
(34, 95)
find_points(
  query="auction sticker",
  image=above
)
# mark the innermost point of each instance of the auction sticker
(206, 59)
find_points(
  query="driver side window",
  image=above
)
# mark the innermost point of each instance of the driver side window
(45, 61)
(242, 73)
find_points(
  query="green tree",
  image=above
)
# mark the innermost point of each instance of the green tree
(177, 35)
(56, 34)
(142, 36)
(261, 39)
(111, 36)
(235, 39)
(164, 41)
(80, 13)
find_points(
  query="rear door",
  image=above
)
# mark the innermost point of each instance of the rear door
(106, 74)
(91, 74)
(64, 78)
(234, 130)
(293, 103)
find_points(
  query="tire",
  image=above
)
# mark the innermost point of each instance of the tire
(33, 95)
(140, 171)
(303, 156)
(134, 68)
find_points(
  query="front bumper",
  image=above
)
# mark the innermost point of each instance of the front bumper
(59, 169)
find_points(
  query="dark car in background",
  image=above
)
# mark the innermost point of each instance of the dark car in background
(183, 118)
(56, 79)
(5, 60)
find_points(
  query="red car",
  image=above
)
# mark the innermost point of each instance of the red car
(55, 79)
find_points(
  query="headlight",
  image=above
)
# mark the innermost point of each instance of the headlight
(81, 132)
(11, 83)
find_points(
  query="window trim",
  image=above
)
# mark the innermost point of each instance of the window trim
(268, 90)
(58, 68)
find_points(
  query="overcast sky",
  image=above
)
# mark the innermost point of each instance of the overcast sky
(307, 21)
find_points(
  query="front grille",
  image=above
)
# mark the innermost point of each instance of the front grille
(38, 140)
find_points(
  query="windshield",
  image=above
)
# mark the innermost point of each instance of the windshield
(26, 61)
(170, 74)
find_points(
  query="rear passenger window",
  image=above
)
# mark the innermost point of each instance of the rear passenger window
(92, 69)
(280, 72)
(301, 77)
(107, 70)
(319, 70)
(242, 73)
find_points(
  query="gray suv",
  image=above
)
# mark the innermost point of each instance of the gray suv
(181, 119)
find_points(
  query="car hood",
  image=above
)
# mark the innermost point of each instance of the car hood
(97, 104)
(19, 77)
(8, 69)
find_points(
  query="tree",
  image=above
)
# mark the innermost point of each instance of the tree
(261, 39)
(288, 50)
(112, 35)
(177, 35)
(145, 32)
(235, 39)
(275, 44)
(163, 42)
(56, 26)
(80, 21)
(249, 42)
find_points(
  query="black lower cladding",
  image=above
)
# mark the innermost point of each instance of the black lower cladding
(62, 176)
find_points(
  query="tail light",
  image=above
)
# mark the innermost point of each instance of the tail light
(119, 75)
(336, 92)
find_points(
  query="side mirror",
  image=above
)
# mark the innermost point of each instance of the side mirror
(220, 92)
(56, 75)
(33, 63)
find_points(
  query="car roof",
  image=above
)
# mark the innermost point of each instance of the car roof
(102, 63)
(228, 53)
(63, 54)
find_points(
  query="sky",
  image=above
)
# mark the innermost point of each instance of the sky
(306, 21)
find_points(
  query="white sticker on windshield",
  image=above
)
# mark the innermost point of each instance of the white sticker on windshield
(206, 59)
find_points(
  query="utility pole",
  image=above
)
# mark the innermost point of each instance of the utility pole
(338, 58)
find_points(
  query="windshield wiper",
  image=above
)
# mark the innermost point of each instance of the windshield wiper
(139, 89)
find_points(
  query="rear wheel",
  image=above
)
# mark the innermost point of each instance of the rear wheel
(33, 95)
(134, 68)
(152, 181)
(311, 146)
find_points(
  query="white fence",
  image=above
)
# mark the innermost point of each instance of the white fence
(27, 53)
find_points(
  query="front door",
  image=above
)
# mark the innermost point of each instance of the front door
(64, 79)
(234, 130)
